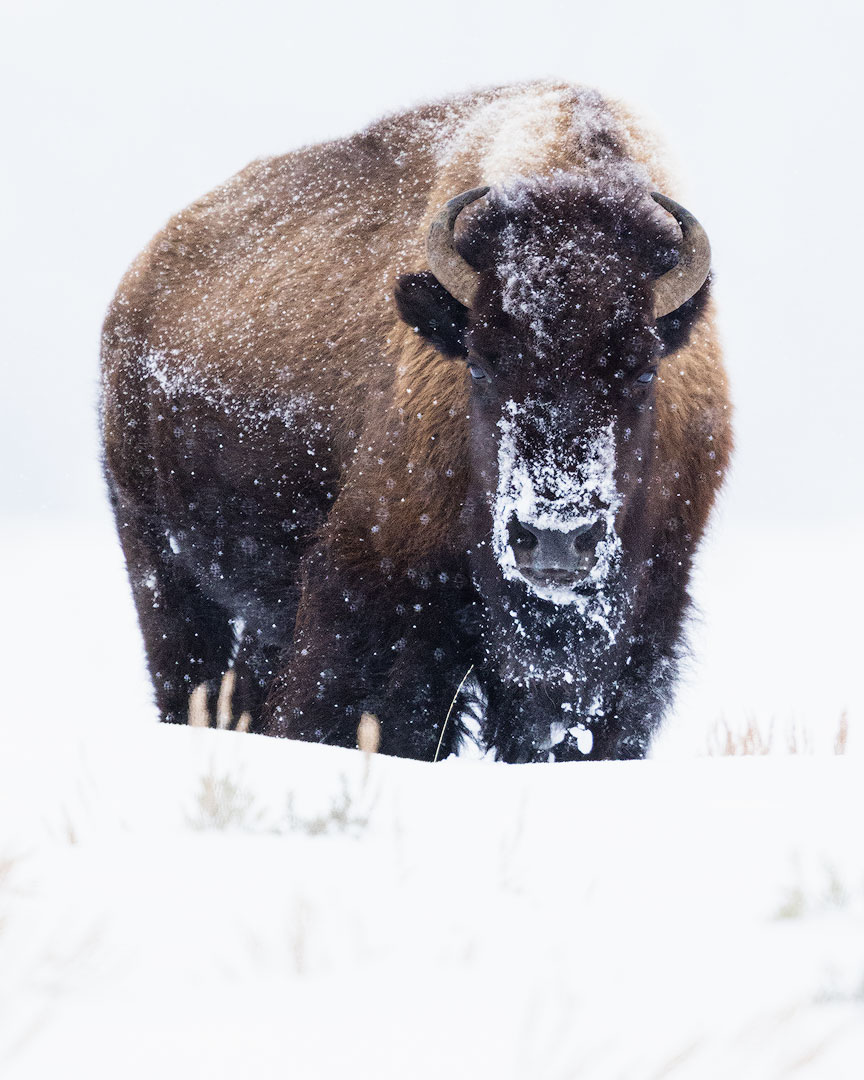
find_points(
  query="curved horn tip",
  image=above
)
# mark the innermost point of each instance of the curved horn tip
(664, 200)
(458, 202)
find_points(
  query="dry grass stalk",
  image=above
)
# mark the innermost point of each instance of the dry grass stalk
(199, 711)
(368, 740)
(724, 741)
(369, 733)
(841, 736)
(223, 703)
(798, 740)
(199, 714)
(449, 711)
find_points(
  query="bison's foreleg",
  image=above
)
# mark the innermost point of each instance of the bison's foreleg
(527, 723)
(188, 638)
(398, 652)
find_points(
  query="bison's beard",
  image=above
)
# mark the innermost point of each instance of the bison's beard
(533, 642)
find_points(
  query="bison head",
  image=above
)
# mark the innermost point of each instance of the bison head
(561, 296)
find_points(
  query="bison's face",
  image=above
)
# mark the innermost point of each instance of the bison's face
(559, 475)
(562, 438)
(561, 340)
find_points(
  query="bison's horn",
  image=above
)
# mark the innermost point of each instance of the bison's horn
(676, 286)
(452, 271)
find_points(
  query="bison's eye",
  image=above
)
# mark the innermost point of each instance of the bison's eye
(647, 376)
(476, 372)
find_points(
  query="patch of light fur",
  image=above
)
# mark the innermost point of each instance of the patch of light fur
(581, 492)
(515, 132)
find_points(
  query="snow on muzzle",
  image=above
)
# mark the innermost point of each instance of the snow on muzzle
(555, 508)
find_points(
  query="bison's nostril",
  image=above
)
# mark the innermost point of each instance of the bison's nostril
(586, 537)
(521, 536)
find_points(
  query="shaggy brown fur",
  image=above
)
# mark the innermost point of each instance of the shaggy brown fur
(260, 392)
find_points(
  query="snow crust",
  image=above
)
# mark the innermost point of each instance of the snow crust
(178, 376)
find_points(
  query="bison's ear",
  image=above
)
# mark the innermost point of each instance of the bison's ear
(426, 305)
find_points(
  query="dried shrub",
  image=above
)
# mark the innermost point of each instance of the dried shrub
(222, 804)
(345, 815)
(758, 738)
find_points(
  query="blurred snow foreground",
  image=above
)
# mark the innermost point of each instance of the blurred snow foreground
(182, 902)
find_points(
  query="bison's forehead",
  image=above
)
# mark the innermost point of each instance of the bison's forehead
(570, 266)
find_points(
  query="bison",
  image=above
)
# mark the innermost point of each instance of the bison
(444, 397)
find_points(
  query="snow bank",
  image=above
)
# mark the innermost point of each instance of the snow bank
(194, 902)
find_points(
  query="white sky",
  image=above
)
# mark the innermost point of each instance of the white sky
(114, 117)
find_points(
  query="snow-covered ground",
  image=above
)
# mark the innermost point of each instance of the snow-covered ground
(182, 902)
(203, 903)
